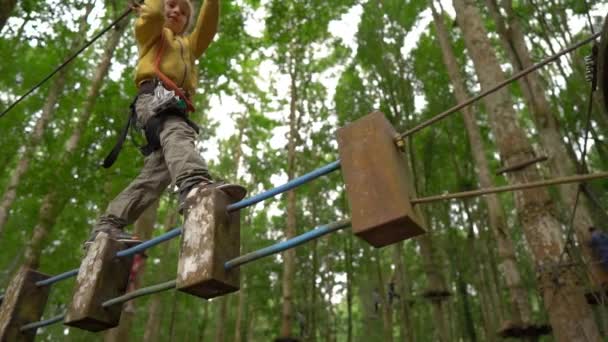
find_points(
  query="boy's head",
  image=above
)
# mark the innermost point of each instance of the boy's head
(178, 15)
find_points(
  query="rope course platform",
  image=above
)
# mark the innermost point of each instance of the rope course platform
(382, 213)
(524, 330)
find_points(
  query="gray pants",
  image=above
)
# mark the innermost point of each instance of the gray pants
(176, 162)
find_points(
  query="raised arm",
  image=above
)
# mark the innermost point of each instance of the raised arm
(149, 25)
(206, 27)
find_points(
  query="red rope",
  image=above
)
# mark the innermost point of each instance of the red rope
(166, 80)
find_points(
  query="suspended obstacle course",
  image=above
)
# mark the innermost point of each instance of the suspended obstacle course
(383, 212)
(378, 189)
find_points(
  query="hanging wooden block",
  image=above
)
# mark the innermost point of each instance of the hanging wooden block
(377, 181)
(102, 276)
(23, 303)
(211, 236)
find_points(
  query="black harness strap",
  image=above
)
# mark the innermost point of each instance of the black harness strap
(152, 129)
(111, 158)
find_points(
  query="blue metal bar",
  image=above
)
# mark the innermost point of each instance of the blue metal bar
(288, 244)
(140, 292)
(294, 183)
(150, 243)
(129, 251)
(40, 324)
(233, 207)
(57, 278)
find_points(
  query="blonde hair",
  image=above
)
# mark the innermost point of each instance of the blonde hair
(189, 8)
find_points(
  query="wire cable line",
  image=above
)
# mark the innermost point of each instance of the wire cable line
(67, 61)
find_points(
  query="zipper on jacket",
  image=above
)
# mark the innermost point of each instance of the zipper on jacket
(181, 49)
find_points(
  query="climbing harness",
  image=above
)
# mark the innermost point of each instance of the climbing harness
(168, 100)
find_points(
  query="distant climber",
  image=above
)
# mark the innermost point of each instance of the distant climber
(376, 299)
(392, 293)
(599, 245)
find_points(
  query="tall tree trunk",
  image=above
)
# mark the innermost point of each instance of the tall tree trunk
(349, 290)
(172, 322)
(520, 307)
(155, 308)
(290, 231)
(6, 9)
(48, 110)
(549, 132)
(386, 309)
(220, 323)
(436, 285)
(144, 227)
(312, 327)
(204, 320)
(402, 285)
(563, 298)
(53, 203)
(240, 313)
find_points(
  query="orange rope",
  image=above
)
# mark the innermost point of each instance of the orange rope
(166, 80)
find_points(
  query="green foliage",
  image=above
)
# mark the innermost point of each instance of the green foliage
(390, 68)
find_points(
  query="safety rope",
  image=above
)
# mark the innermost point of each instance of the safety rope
(165, 79)
(497, 87)
(68, 61)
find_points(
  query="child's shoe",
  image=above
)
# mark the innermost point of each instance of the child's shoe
(114, 233)
(234, 191)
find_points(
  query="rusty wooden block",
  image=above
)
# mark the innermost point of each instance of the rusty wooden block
(377, 181)
(23, 303)
(102, 276)
(211, 236)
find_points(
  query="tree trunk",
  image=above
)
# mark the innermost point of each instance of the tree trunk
(220, 325)
(386, 309)
(312, 332)
(172, 321)
(436, 285)
(349, 290)
(53, 203)
(290, 231)
(240, 313)
(48, 110)
(144, 226)
(155, 312)
(204, 320)
(402, 285)
(6, 9)
(548, 128)
(520, 307)
(563, 299)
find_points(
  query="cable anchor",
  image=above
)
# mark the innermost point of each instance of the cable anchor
(591, 67)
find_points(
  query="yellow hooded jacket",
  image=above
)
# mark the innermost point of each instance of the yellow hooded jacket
(180, 52)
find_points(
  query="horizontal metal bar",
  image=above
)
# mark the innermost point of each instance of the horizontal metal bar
(141, 292)
(515, 187)
(150, 243)
(40, 324)
(498, 86)
(57, 278)
(129, 251)
(233, 207)
(519, 166)
(288, 244)
(294, 183)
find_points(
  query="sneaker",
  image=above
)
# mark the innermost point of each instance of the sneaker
(116, 234)
(234, 191)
